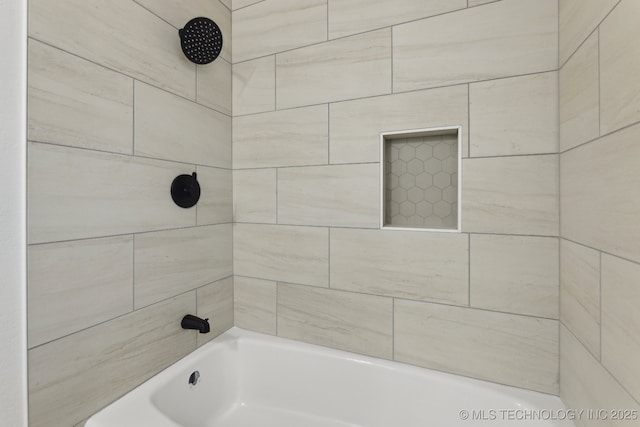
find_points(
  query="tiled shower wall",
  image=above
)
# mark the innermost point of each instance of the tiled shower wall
(600, 193)
(115, 113)
(314, 84)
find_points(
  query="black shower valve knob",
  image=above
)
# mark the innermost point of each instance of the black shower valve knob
(185, 190)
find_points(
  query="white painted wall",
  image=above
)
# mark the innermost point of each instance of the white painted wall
(13, 332)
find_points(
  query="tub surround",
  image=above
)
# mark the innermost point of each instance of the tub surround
(600, 256)
(114, 264)
(310, 101)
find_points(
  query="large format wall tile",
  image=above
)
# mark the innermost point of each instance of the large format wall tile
(173, 128)
(277, 25)
(343, 320)
(339, 196)
(73, 377)
(600, 188)
(102, 32)
(517, 115)
(76, 194)
(254, 86)
(355, 126)
(297, 137)
(515, 274)
(348, 17)
(215, 302)
(501, 39)
(254, 302)
(621, 321)
(578, 18)
(580, 293)
(179, 12)
(523, 350)
(404, 264)
(254, 196)
(580, 96)
(216, 198)
(619, 67)
(74, 285)
(510, 195)
(585, 384)
(75, 102)
(168, 263)
(214, 86)
(282, 253)
(347, 68)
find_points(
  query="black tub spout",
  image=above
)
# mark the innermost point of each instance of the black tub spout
(193, 322)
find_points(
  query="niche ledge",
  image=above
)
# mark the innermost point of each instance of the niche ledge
(419, 175)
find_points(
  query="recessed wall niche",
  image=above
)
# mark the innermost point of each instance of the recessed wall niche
(420, 172)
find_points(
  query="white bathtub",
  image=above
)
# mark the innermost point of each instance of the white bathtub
(253, 380)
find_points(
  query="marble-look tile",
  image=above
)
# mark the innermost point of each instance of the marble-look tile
(214, 86)
(254, 196)
(216, 196)
(297, 137)
(402, 264)
(282, 253)
(274, 26)
(355, 126)
(75, 194)
(578, 18)
(168, 263)
(501, 39)
(179, 12)
(215, 302)
(346, 68)
(348, 17)
(254, 302)
(337, 195)
(81, 27)
(75, 285)
(579, 96)
(254, 86)
(77, 103)
(621, 321)
(173, 128)
(510, 195)
(516, 115)
(523, 350)
(344, 320)
(75, 376)
(600, 189)
(227, 3)
(585, 384)
(580, 293)
(515, 274)
(619, 66)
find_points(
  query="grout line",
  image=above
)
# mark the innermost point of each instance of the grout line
(131, 156)
(329, 258)
(399, 298)
(599, 86)
(393, 329)
(386, 94)
(600, 305)
(637, 262)
(137, 233)
(469, 269)
(249, 5)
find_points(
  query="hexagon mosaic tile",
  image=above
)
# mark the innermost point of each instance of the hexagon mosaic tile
(421, 182)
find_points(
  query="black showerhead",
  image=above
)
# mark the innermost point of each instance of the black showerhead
(201, 40)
